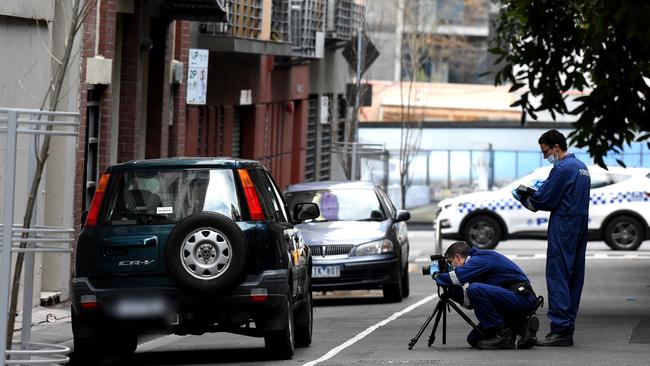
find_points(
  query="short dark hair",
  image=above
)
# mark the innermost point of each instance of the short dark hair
(459, 247)
(551, 138)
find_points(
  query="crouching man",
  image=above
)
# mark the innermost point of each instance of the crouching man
(499, 292)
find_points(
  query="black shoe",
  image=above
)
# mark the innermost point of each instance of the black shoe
(504, 339)
(556, 340)
(529, 333)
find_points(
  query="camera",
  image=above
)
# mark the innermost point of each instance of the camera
(438, 265)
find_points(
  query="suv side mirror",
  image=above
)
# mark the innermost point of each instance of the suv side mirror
(305, 211)
(402, 215)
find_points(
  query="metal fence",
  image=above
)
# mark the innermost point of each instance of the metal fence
(36, 239)
(438, 174)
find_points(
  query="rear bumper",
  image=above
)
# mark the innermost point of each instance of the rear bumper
(367, 274)
(182, 312)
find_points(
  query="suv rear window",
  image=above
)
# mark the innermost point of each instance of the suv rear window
(157, 197)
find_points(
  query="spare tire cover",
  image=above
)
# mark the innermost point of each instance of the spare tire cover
(206, 252)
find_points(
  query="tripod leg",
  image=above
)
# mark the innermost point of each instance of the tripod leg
(444, 322)
(439, 310)
(466, 318)
(415, 339)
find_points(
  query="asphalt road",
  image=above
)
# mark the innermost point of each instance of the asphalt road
(359, 328)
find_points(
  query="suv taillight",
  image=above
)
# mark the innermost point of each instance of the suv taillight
(95, 205)
(254, 207)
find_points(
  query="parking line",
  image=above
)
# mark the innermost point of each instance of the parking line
(369, 330)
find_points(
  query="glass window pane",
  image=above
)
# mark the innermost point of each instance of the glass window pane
(341, 204)
(157, 197)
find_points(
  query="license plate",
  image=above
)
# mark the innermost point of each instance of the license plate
(325, 271)
(151, 307)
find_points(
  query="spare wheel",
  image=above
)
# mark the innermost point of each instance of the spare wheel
(206, 252)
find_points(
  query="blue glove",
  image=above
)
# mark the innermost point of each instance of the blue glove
(434, 269)
(516, 195)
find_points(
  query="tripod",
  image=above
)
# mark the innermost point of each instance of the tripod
(440, 311)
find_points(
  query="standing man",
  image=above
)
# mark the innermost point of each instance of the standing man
(565, 193)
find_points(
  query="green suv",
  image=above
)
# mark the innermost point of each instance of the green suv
(188, 246)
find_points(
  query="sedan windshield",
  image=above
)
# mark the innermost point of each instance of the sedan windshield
(341, 204)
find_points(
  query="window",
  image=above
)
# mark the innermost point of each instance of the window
(159, 197)
(341, 204)
(278, 198)
(387, 202)
(599, 180)
(265, 188)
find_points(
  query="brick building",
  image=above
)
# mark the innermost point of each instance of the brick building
(130, 107)
(261, 101)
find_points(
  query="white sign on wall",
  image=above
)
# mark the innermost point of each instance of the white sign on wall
(197, 76)
(324, 109)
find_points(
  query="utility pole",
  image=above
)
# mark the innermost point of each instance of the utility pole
(357, 101)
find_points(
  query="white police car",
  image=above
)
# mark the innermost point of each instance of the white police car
(619, 211)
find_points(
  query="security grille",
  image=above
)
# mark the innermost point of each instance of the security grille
(325, 140)
(220, 130)
(244, 20)
(281, 21)
(236, 135)
(312, 124)
(343, 20)
(326, 250)
(307, 18)
(341, 107)
(358, 12)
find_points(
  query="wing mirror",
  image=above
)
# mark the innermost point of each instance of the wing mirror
(305, 211)
(402, 215)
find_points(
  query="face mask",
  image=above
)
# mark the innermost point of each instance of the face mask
(551, 159)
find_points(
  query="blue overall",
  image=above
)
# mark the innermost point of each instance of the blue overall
(483, 283)
(566, 194)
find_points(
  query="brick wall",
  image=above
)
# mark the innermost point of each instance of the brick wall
(106, 48)
(130, 88)
(177, 130)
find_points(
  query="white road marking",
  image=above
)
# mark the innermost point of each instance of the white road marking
(369, 330)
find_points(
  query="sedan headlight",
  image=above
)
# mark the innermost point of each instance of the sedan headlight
(374, 247)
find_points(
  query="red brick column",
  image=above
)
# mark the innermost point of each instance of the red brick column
(228, 122)
(106, 48)
(177, 131)
(192, 131)
(130, 87)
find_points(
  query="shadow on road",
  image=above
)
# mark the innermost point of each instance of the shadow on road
(346, 301)
(194, 357)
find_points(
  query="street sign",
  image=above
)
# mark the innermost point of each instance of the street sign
(197, 76)
(368, 56)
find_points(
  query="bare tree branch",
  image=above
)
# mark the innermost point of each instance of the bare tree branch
(51, 98)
